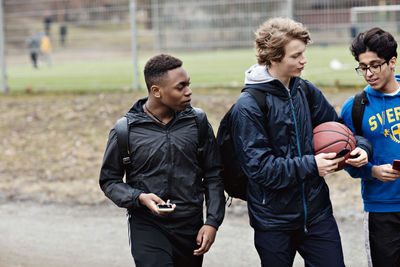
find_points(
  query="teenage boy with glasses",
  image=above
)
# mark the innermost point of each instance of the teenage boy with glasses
(375, 51)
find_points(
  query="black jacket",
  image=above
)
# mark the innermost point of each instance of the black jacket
(165, 162)
(285, 191)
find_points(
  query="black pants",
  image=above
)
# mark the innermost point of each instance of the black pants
(320, 246)
(384, 238)
(156, 243)
(34, 57)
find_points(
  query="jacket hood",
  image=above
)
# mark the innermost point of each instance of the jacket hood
(257, 74)
(258, 77)
(383, 101)
(368, 89)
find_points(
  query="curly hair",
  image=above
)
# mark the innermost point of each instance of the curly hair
(274, 34)
(157, 66)
(375, 40)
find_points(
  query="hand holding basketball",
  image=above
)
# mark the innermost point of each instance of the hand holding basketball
(333, 137)
(327, 163)
(358, 157)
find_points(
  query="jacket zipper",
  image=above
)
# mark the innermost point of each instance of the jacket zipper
(169, 179)
(300, 154)
(264, 197)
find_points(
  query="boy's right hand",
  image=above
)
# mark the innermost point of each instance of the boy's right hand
(151, 200)
(326, 163)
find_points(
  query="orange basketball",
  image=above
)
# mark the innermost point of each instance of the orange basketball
(333, 137)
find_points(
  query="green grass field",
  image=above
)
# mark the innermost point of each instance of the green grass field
(222, 68)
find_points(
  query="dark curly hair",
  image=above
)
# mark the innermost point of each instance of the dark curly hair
(375, 40)
(157, 66)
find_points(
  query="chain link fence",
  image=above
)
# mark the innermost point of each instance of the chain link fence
(98, 29)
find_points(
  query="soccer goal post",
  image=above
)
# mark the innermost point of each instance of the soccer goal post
(387, 16)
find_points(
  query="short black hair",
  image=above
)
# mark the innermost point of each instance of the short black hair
(157, 66)
(375, 40)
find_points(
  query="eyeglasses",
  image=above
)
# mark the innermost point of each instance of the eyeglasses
(374, 69)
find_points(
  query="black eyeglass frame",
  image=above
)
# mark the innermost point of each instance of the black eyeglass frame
(363, 71)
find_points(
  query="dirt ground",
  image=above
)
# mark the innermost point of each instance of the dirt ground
(53, 212)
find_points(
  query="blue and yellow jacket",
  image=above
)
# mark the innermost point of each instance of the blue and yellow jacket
(381, 126)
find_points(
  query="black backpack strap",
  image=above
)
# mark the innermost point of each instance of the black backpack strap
(306, 89)
(357, 112)
(121, 128)
(202, 125)
(202, 132)
(259, 96)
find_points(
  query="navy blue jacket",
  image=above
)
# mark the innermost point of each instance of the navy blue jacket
(285, 191)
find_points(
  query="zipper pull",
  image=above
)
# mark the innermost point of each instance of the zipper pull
(305, 229)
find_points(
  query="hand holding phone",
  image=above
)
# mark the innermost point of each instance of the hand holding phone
(342, 153)
(396, 165)
(165, 207)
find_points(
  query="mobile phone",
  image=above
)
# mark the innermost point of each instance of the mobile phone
(165, 207)
(396, 164)
(342, 153)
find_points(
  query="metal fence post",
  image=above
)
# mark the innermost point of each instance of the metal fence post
(290, 8)
(2, 51)
(132, 9)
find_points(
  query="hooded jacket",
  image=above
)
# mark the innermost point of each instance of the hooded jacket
(166, 163)
(381, 126)
(285, 191)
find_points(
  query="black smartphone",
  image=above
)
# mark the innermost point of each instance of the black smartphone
(165, 207)
(396, 165)
(342, 153)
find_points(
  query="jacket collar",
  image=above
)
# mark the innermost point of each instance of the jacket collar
(137, 114)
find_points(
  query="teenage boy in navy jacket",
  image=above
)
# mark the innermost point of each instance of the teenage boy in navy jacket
(288, 199)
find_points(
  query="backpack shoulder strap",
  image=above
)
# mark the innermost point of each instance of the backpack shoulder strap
(202, 125)
(306, 90)
(202, 133)
(357, 112)
(259, 96)
(121, 128)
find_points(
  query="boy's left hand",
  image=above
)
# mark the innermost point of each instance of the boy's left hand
(358, 157)
(205, 238)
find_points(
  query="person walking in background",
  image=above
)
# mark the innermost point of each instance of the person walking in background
(47, 20)
(33, 43)
(375, 50)
(63, 33)
(174, 160)
(288, 199)
(45, 48)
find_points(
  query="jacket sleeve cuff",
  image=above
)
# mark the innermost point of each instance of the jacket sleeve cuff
(212, 223)
(367, 172)
(136, 200)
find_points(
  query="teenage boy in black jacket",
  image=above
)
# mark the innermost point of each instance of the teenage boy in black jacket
(167, 167)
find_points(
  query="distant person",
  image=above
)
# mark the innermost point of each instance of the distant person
(33, 43)
(375, 50)
(353, 31)
(45, 48)
(174, 159)
(288, 199)
(63, 33)
(47, 20)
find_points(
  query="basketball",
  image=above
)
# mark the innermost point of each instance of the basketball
(333, 137)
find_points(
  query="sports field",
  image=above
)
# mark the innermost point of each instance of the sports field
(222, 68)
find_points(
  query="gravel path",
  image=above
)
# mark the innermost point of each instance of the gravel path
(55, 235)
